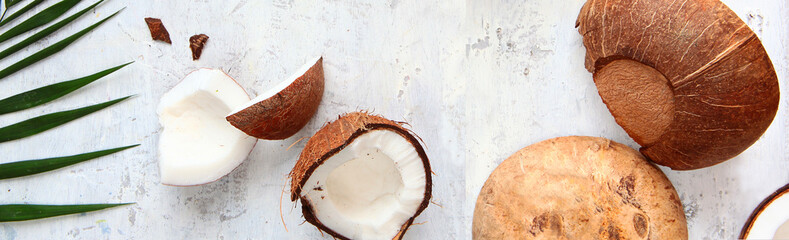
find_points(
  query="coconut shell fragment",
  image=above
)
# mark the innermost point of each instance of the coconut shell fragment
(158, 32)
(285, 109)
(688, 80)
(197, 43)
(331, 140)
(578, 188)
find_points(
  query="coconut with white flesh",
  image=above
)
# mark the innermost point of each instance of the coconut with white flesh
(770, 220)
(283, 110)
(362, 177)
(197, 145)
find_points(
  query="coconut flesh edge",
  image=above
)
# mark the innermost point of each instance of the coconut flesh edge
(773, 221)
(197, 145)
(278, 88)
(369, 189)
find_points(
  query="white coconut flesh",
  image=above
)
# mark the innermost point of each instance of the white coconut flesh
(278, 88)
(197, 145)
(369, 189)
(773, 221)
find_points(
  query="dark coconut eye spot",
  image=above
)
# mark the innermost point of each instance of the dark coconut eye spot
(640, 224)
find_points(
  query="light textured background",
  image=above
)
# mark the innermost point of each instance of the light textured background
(478, 80)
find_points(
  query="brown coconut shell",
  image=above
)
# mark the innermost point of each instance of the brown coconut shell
(746, 229)
(284, 114)
(158, 31)
(331, 139)
(197, 43)
(722, 88)
(578, 188)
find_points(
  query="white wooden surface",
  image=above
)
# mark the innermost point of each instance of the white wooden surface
(478, 80)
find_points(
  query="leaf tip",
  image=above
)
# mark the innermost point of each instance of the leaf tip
(129, 147)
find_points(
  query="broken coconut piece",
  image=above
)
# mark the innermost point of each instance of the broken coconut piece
(158, 32)
(197, 43)
(197, 145)
(362, 177)
(578, 188)
(283, 110)
(688, 80)
(770, 220)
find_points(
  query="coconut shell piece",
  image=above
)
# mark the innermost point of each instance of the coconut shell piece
(158, 32)
(286, 112)
(334, 137)
(688, 80)
(578, 188)
(197, 43)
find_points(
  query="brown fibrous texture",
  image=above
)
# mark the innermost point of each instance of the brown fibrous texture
(334, 137)
(158, 32)
(724, 88)
(284, 114)
(578, 188)
(197, 43)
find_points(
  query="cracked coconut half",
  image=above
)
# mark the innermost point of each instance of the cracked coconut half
(362, 177)
(285, 109)
(197, 146)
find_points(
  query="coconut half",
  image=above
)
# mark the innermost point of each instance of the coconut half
(362, 177)
(197, 145)
(770, 220)
(285, 109)
(689, 81)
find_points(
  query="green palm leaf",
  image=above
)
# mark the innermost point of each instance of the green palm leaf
(43, 33)
(9, 3)
(46, 52)
(48, 93)
(41, 18)
(42, 123)
(30, 167)
(24, 212)
(20, 12)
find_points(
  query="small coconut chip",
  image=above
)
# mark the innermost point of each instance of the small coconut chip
(283, 110)
(770, 220)
(197, 43)
(158, 32)
(578, 188)
(362, 177)
(197, 145)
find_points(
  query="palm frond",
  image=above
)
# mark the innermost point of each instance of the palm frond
(48, 93)
(40, 124)
(24, 212)
(54, 48)
(41, 18)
